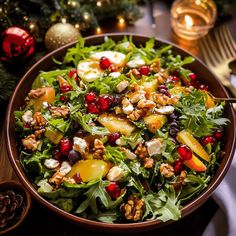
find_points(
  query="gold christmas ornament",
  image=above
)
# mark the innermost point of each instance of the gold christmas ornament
(60, 34)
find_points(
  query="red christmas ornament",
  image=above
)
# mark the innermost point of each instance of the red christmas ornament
(16, 45)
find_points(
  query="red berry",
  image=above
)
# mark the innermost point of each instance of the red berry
(178, 166)
(184, 152)
(192, 76)
(218, 134)
(63, 98)
(104, 63)
(93, 108)
(65, 146)
(65, 87)
(112, 68)
(77, 178)
(72, 73)
(90, 97)
(26, 125)
(144, 70)
(112, 138)
(175, 78)
(113, 190)
(208, 139)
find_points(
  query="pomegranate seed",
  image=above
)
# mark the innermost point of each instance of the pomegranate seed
(113, 190)
(93, 108)
(90, 97)
(175, 78)
(104, 63)
(112, 138)
(112, 68)
(63, 98)
(65, 87)
(208, 139)
(192, 76)
(72, 73)
(184, 152)
(77, 178)
(58, 155)
(144, 70)
(178, 166)
(218, 134)
(65, 146)
(104, 102)
(26, 125)
(203, 87)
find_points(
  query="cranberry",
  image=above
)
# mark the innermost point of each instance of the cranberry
(178, 166)
(90, 97)
(113, 190)
(65, 87)
(208, 139)
(72, 73)
(104, 63)
(63, 98)
(73, 156)
(192, 76)
(175, 78)
(93, 108)
(144, 70)
(58, 155)
(184, 152)
(218, 134)
(77, 178)
(65, 146)
(203, 87)
(112, 138)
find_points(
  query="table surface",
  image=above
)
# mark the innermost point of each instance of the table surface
(42, 222)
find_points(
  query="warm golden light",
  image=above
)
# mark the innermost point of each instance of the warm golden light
(198, 2)
(99, 3)
(98, 30)
(188, 21)
(121, 20)
(63, 20)
(77, 26)
(86, 16)
(32, 26)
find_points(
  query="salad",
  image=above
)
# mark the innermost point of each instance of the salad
(119, 132)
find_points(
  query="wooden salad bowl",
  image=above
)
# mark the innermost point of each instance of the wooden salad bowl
(47, 63)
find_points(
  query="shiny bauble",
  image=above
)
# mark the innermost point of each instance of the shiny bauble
(60, 34)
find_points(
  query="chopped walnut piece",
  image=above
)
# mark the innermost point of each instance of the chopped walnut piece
(68, 180)
(164, 100)
(180, 181)
(39, 133)
(133, 209)
(146, 104)
(136, 96)
(166, 170)
(135, 73)
(127, 107)
(62, 111)
(156, 66)
(136, 114)
(36, 93)
(141, 151)
(38, 121)
(99, 149)
(30, 142)
(148, 163)
(57, 179)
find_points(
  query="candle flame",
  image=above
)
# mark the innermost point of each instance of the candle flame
(189, 21)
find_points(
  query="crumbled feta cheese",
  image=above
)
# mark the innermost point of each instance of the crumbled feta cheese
(130, 155)
(115, 174)
(122, 86)
(44, 186)
(136, 61)
(128, 109)
(28, 117)
(45, 105)
(120, 142)
(115, 74)
(154, 147)
(65, 167)
(166, 110)
(137, 96)
(80, 145)
(51, 163)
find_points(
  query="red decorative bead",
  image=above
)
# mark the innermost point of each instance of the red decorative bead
(65, 146)
(113, 190)
(65, 87)
(90, 97)
(104, 63)
(184, 152)
(72, 73)
(178, 166)
(112, 138)
(192, 76)
(144, 70)
(93, 108)
(208, 139)
(218, 134)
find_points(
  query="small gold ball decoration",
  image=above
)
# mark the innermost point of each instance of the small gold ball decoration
(60, 34)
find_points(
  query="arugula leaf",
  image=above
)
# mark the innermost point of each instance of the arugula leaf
(132, 140)
(107, 216)
(83, 120)
(114, 155)
(163, 205)
(60, 124)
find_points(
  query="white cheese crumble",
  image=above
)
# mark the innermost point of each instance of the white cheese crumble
(115, 174)
(28, 117)
(51, 163)
(65, 167)
(80, 145)
(154, 147)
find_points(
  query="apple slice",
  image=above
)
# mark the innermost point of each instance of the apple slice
(187, 138)
(116, 124)
(154, 122)
(195, 164)
(89, 169)
(150, 87)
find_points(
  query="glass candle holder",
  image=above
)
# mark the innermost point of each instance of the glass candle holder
(192, 19)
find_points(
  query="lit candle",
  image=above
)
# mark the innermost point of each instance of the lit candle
(98, 30)
(121, 22)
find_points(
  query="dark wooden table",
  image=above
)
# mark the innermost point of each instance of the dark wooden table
(42, 222)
